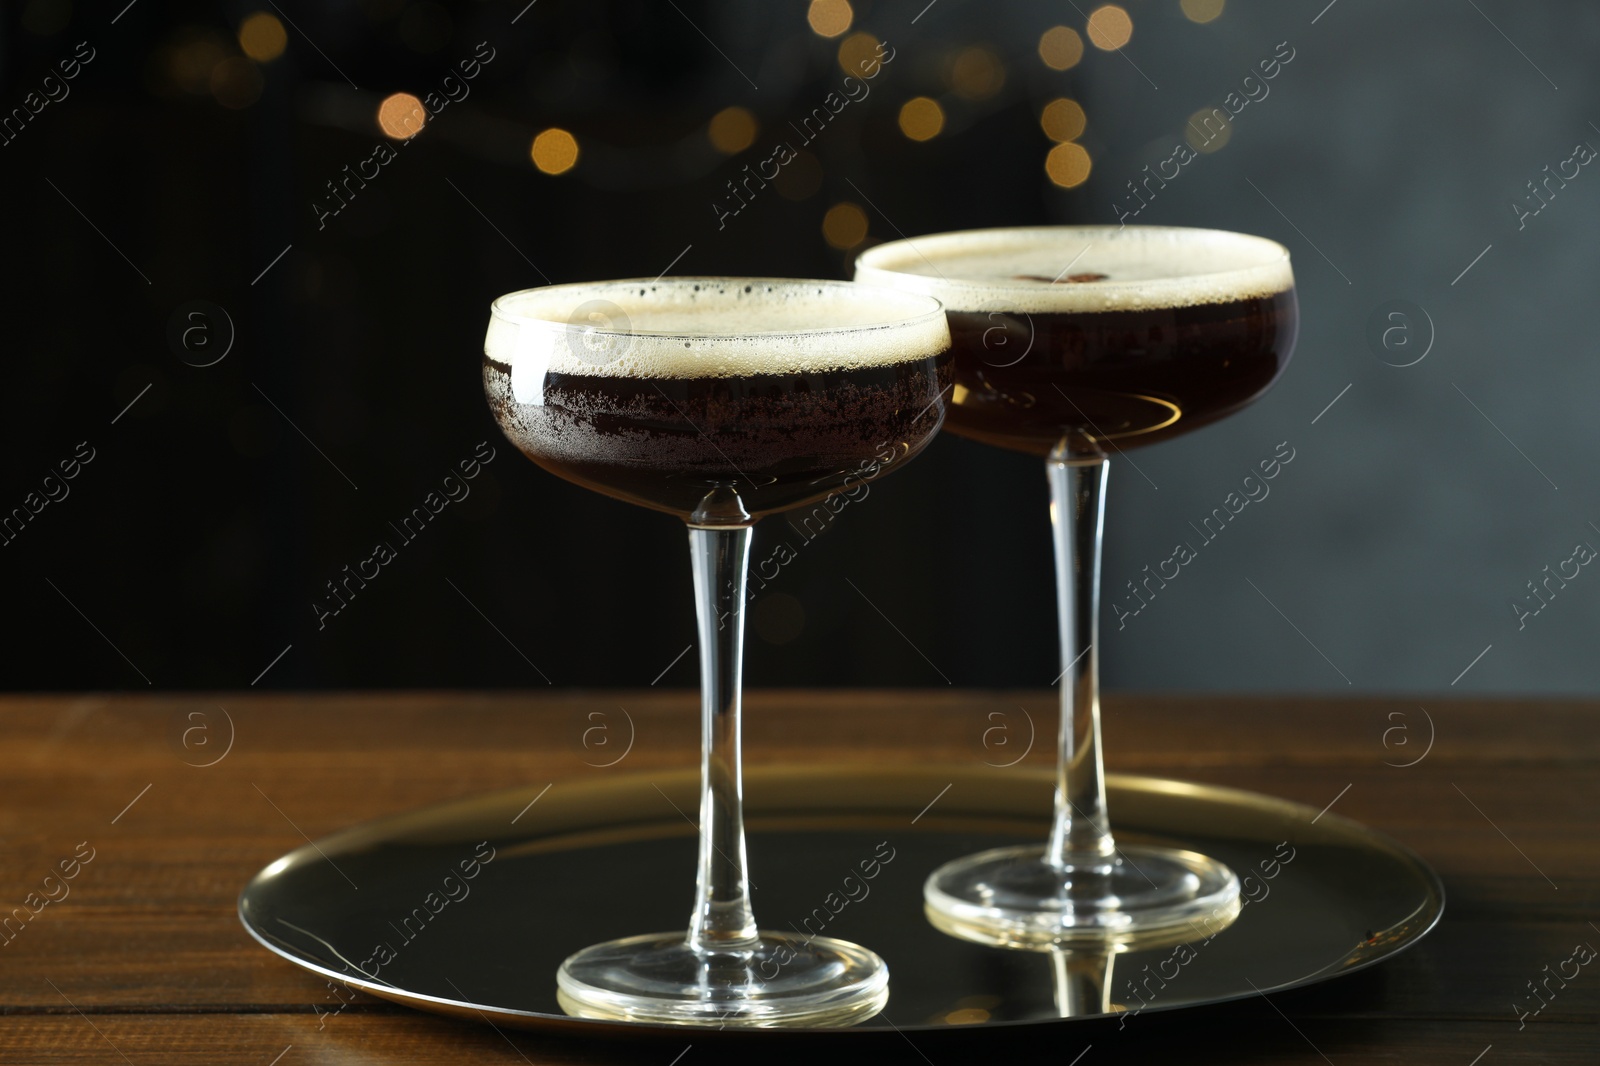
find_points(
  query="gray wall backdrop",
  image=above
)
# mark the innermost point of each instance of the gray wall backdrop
(1419, 506)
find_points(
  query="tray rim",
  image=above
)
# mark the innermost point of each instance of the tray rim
(780, 773)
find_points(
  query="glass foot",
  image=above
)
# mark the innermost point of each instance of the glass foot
(1012, 897)
(781, 980)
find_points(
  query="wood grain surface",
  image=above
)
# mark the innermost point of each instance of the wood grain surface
(140, 957)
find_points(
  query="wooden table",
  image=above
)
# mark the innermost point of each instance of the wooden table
(141, 959)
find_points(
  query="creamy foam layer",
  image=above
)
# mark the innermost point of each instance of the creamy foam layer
(1145, 267)
(709, 327)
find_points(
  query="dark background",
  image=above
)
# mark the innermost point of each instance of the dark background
(191, 549)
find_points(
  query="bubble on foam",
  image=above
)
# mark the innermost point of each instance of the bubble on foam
(1146, 267)
(706, 327)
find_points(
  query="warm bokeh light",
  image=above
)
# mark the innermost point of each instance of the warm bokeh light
(857, 53)
(829, 18)
(1067, 164)
(1060, 47)
(921, 118)
(1062, 119)
(1110, 27)
(236, 82)
(977, 73)
(262, 37)
(190, 62)
(801, 177)
(1208, 129)
(732, 130)
(778, 618)
(1202, 10)
(401, 115)
(555, 151)
(844, 226)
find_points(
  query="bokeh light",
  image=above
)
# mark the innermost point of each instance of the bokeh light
(1110, 27)
(844, 226)
(1202, 10)
(236, 82)
(1068, 164)
(401, 115)
(857, 53)
(262, 37)
(921, 118)
(732, 130)
(555, 151)
(191, 58)
(778, 618)
(1060, 47)
(800, 178)
(1208, 129)
(1062, 119)
(977, 73)
(830, 18)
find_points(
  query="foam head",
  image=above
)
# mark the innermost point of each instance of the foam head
(1081, 268)
(711, 327)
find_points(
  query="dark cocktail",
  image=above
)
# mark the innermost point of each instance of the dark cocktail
(1070, 341)
(719, 400)
(661, 420)
(1180, 368)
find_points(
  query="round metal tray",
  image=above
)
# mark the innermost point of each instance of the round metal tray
(469, 907)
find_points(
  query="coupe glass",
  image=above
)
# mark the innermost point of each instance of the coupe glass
(1068, 341)
(719, 400)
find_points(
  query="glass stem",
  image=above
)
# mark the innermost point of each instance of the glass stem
(722, 920)
(1082, 981)
(1077, 514)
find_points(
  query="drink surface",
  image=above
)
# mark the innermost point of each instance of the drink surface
(1102, 336)
(717, 400)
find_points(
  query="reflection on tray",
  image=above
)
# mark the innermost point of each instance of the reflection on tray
(1318, 898)
(1082, 979)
